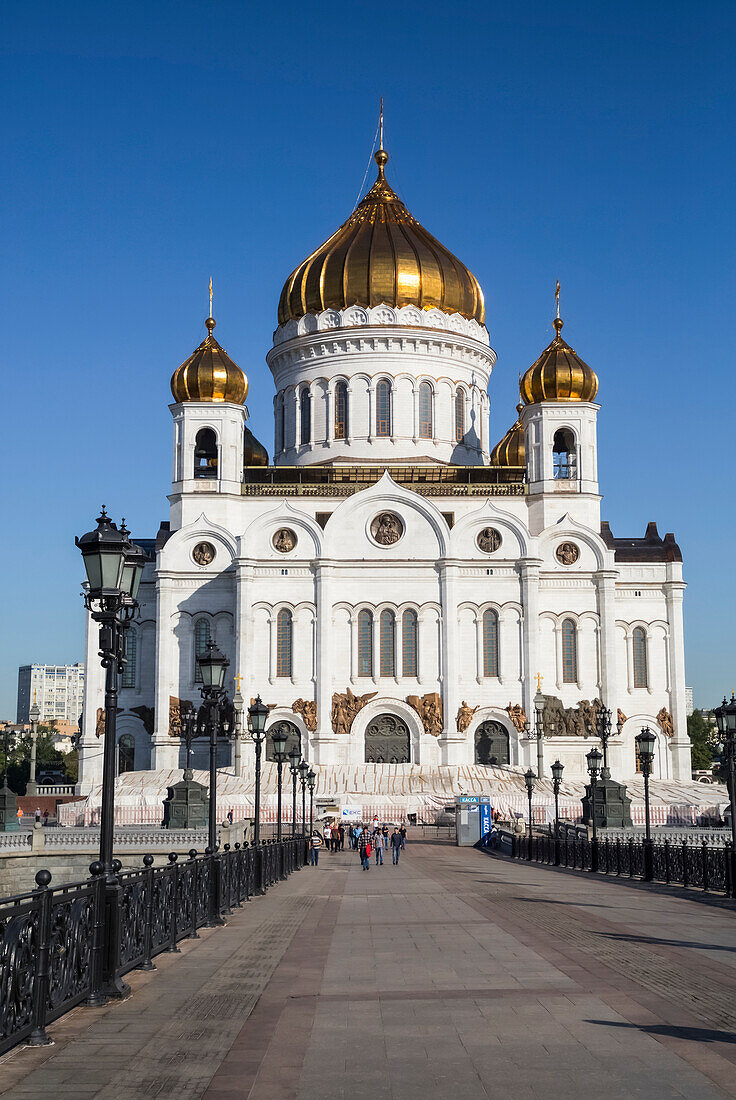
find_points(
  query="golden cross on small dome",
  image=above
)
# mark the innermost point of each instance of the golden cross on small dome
(237, 680)
(558, 322)
(210, 322)
(381, 156)
(539, 679)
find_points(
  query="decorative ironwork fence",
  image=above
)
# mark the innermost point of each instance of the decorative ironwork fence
(704, 866)
(54, 941)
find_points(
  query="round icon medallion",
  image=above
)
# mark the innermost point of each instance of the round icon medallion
(387, 528)
(489, 540)
(567, 553)
(204, 553)
(284, 540)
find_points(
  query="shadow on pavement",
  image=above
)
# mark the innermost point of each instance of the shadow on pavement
(696, 1034)
(664, 943)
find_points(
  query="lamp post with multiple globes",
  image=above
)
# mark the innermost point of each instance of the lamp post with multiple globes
(726, 719)
(645, 742)
(557, 770)
(594, 758)
(529, 778)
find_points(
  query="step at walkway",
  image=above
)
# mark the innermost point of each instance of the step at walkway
(454, 975)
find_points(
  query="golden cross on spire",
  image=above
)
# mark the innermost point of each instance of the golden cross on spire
(237, 680)
(557, 299)
(210, 313)
(539, 679)
(380, 126)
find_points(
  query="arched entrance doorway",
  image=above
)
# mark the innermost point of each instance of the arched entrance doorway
(126, 753)
(387, 740)
(491, 743)
(292, 734)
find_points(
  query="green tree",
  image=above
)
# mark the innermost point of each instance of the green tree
(700, 733)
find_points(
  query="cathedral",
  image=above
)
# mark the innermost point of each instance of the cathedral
(397, 586)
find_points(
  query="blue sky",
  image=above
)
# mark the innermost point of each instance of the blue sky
(148, 146)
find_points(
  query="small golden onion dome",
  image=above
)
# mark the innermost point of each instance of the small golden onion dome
(209, 374)
(254, 453)
(558, 375)
(381, 255)
(509, 451)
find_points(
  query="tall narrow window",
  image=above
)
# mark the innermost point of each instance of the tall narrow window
(365, 644)
(284, 627)
(131, 646)
(341, 410)
(126, 753)
(425, 411)
(564, 460)
(281, 441)
(202, 635)
(490, 643)
(205, 453)
(305, 409)
(388, 643)
(383, 408)
(639, 643)
(569, 652)
(409, 643)
(459, 416)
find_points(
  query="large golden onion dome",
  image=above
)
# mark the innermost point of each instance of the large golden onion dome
(558, 374)
(509, 451)
(209, 374)
(381, 255)
(254, 453)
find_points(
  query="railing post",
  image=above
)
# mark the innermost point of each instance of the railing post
(631, 857)
(704, 856)
(685, 876)
(729, 856)
(238, 861)
(193, 933)
(173, 947)
(96, 997)
(38, 1037)
(618, 855)
(667, 876)
(147, 963)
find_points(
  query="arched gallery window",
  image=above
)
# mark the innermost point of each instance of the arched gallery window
(639, 646)
(387, 741)
(564, 461)
(205, 453)
(341, 410)
(459, 416)
(202, 635)
(131, 648)
(388, 643)
(365, 643)
(409, 643)
(305, 410)
(284, 628)
(383, 408)
(491, 744)
(569, 652)
(293, 737)
(425, 411)
(126, 753)
(281, 422)
(490, 643)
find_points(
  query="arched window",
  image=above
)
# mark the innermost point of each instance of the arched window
(569, 652)
(383, 408)
(409, 643)
(341, 410)
(284, 628)
(564, 459)
(281, 425)
(205, 453)
(126, 753)
(425, 411)
(490, 643)
(305, 411)
(131, 647)
(387, 741)
(365, 644)
(388, 643)
(293, 738)
(459, 416)
(639, 645)
(202, 635)
(491, 744)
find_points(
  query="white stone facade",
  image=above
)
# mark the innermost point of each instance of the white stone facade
(436, 569)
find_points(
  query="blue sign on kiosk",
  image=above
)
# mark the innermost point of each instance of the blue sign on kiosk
(473, 818)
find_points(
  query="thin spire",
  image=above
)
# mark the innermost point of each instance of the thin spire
(380, 127)
(210, 322)
(381, 156)
(557, 297)
(558, 322)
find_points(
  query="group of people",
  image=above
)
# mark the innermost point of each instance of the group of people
(367, 841)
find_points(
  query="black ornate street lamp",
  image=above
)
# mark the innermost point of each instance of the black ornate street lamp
(645, 742)
(279, 738)
(529, 778)
(603, 729)
(114, 566)
(188, 728)
(557, 770)
(294, 758)
(34, 715)
(257, 718)
(311, 780)
(213, 717)
(303, 773)
(726, 719)
(594, 758)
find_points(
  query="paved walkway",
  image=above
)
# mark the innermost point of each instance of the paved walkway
(456, 975)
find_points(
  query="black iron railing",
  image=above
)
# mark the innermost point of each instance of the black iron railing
(53, 940)
(704, 866)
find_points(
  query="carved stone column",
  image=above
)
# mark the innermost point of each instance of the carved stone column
(610, 693)
(529, 573)
(322, 738)
(165, 749)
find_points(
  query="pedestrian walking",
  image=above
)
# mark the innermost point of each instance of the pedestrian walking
(378, 847)
(364, 852)
(341, 836)
(395, 845)
(402, 832)
(315, 844)
(37, 815)
(45, 817)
